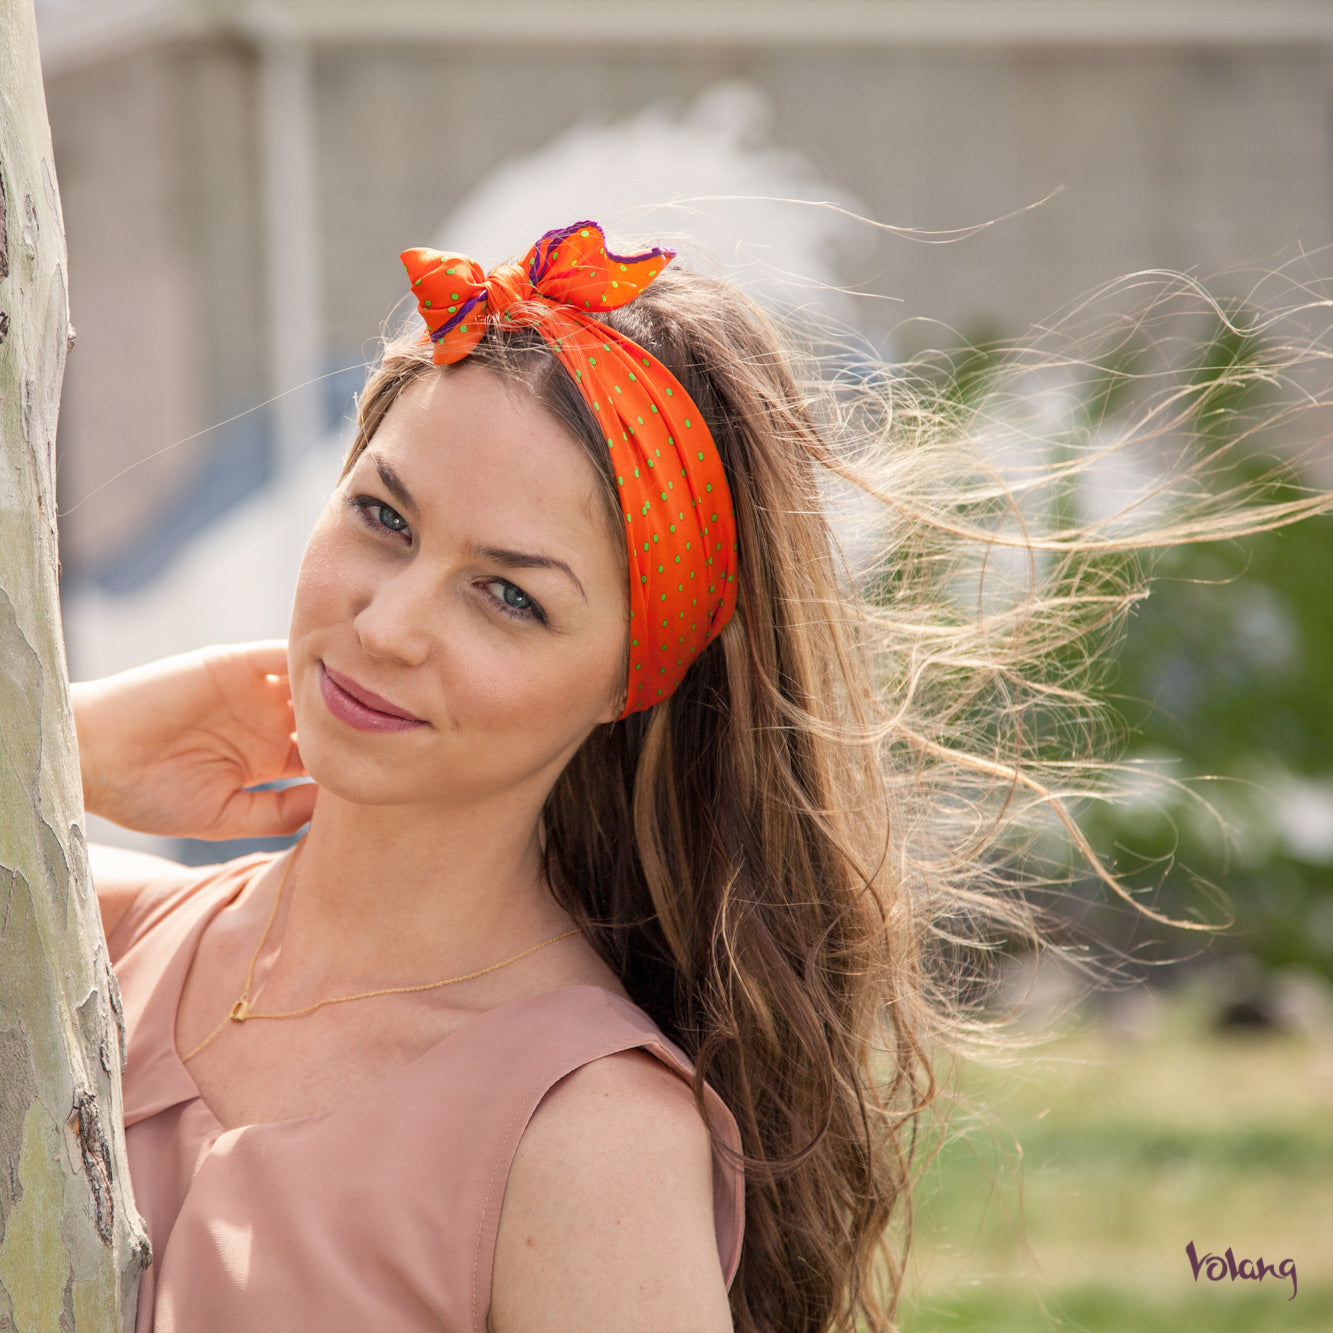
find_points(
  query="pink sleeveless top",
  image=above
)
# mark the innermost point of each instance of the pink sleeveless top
(379, 1214)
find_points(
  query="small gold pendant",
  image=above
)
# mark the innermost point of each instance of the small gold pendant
(240, 1011)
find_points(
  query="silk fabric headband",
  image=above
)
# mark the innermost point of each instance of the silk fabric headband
(680, 527)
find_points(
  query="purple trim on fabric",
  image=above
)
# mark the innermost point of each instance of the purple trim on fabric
(545, 248)
(454, 321)
(657, 252)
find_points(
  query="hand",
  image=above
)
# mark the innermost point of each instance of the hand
(170, 748)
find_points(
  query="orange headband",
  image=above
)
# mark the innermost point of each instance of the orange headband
(680, 528)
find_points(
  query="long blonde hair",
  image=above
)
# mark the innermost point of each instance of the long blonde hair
(797, 863)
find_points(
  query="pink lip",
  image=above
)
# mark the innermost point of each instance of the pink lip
(362, 708)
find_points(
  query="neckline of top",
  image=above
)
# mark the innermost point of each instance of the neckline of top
(184, 961)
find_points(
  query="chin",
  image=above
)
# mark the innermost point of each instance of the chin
(365, 791)
(358, 782)
(363, 767)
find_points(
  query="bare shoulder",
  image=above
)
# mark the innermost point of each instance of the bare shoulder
(119, 875)
(608, 1214)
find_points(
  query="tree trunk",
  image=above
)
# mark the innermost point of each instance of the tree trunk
(71, 1243)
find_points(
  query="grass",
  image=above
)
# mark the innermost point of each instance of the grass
(1098, 1308)
(1070, 1184)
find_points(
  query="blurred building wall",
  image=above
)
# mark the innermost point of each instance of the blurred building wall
(155, 152)
(1188, 134)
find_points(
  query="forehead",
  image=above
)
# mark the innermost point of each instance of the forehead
(466, 442)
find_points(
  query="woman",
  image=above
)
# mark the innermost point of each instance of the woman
(593, 931)
(501, 807)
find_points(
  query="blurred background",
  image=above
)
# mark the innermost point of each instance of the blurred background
(237, 181)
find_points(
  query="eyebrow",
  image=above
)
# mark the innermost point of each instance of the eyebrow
(525, 560)
(500, 555)
(394, 484)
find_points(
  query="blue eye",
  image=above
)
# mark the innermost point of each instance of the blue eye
(375, 514)
(390, 518)
(513, 601)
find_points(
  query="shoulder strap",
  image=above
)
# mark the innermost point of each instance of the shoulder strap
(537, 1043)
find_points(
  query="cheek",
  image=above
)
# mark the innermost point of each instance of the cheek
(558, 694)
(322, 582)
(524, 691)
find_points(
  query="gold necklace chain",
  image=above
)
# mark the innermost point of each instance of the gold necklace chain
(241, 1011)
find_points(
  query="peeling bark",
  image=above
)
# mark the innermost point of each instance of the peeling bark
(71, 1243)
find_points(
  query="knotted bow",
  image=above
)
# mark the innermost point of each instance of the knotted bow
(680, 528)
(569, 267)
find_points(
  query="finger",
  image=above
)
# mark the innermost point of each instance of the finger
(277, 765)
(267, 753)
(268, 657)
(296, 804)
(292, 765)
(264, 814)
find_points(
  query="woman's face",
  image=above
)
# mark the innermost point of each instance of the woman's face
(460, 618)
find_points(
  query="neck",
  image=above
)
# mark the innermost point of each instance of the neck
(413, 894)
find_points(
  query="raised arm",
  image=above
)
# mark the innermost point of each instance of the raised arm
(172, 748)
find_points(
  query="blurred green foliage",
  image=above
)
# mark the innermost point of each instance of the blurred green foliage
(1224, 679)
(1225, 670)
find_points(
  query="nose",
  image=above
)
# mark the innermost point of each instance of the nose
(398, 618)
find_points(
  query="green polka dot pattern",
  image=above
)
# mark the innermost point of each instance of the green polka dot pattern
(642, 409)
